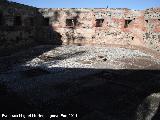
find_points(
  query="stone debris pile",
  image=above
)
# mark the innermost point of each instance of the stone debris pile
(88, 57)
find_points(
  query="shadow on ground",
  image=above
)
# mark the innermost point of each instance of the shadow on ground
(104, 95)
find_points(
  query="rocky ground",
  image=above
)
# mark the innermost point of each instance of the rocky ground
(101, 83)
(94, 57)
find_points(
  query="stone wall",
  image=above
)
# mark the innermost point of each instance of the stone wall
(152, 23)
(107, 26)
(22, 26)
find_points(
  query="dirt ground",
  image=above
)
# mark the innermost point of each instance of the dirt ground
(131, 93)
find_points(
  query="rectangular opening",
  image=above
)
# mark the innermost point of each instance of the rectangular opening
(127, 22)
(17, 21)
(71, 22)
(1, 19)
(46, 21)
(99, 22)
(31, 21)
(146, 21)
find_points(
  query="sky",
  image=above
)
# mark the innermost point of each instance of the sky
(131, 4)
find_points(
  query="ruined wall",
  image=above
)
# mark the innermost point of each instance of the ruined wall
(17, 28)
(22, 26)
(152, 33)
(107, 26)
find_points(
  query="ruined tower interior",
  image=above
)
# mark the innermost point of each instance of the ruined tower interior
(94, 63)
(23, 25)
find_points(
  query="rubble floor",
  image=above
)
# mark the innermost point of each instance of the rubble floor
(101, 83)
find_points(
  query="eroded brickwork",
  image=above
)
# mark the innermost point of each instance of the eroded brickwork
(107, 26)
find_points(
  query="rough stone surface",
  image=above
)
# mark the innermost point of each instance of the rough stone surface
(72, 56)
(115, 77)
(56, 81)
(142, 30)
(22, 26)
(149, 107)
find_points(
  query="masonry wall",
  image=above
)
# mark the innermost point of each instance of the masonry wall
(118, 26)
(152, 24)
(22, 26)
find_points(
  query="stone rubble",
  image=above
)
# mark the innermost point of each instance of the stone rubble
(87, 57)
(91, 77)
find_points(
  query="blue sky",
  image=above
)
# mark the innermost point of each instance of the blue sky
(132, 4)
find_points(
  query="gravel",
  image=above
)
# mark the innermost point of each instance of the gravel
(85, 57)
(57, 66)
